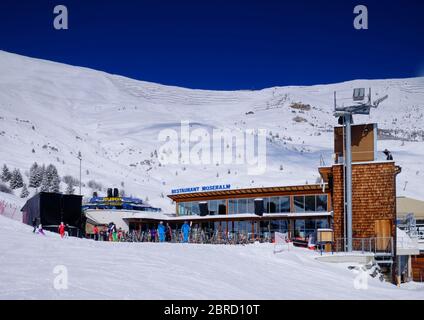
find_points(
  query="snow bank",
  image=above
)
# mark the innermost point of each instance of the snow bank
(101, 270)
(10, 206)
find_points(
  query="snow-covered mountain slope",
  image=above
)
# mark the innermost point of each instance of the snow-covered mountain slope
(104, 270)
(50, 111)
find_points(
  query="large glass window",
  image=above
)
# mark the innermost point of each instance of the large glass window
(299, 228)
(213, 207)
(222, 207)
(299, 204)
(279, 226)
(188, 208)
(284, 204)
(242, 206)
(250, 206)
(232, 206)
(266, 205)
(321, 224)
(195, 209)
(310, 203)
(322, 203)
(315, 203)
(274, 205)
(183, 209)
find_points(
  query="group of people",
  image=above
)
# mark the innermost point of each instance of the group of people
(164, 233)
(63, 230)
(109, 233)
(161, 233)
(38, 227)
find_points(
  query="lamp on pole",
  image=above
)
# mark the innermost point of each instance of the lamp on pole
(80, 159)
(345, 114)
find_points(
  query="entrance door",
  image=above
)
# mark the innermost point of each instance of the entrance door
(383, 233)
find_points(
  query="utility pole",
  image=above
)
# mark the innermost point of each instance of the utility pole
(346, 114)
(348, 166)
(80, 159)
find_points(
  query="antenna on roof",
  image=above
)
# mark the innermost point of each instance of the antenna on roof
(345, 115)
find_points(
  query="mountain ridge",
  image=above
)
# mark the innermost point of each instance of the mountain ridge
(57, 110)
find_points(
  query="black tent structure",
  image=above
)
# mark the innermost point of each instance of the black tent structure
(50, 209)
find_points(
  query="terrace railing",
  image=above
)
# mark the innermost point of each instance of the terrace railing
(382, 246)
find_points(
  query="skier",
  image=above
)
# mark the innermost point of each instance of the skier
(161, 232)
(40, 230)
(67, 231)
(114, 232)
(153, 235)
(34, 224)
(168, 233)
(388, 155)
(62, 230)
(120, 234)
(105, 234)
(185, 229)
(96, 233)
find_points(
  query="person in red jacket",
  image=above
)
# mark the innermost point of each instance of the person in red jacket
(62, 230)
(96, 233)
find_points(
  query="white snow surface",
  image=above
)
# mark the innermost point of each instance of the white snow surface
(50, 111)
(103, 270)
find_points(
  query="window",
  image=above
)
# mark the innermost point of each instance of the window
(322, 203)
(322, 224)
(279, 226)
(310, 203)
(213, 207)
(309, 226)
(284, 204)
(299, 204)
(195, 210)
(250, 206)
(266, 205)
(182, 211)
(274, 205)
(315, 203)
(242, 206)
(299, 228)
(188, 208)
(222, 207)
(232, 206)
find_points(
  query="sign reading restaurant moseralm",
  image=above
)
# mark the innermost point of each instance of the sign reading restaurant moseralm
(202, 188)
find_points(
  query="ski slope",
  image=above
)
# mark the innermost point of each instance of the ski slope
(50, 111)
(102, 270)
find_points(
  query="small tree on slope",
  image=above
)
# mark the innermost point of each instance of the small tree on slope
(45, 184)
(70, 188)
(24, 192)
(16, 180)
(35, 176)
(55, 185)
(5, 174)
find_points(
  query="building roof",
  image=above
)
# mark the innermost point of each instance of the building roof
(405, 205)
(250, 191)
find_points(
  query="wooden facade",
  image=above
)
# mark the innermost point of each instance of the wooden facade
(418, 268)
(373, 198)
(364, 140)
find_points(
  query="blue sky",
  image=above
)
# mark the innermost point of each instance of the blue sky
(224, 45)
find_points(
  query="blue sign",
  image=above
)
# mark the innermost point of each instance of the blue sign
(203, 188)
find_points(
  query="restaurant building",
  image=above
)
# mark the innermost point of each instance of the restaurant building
(299, 210)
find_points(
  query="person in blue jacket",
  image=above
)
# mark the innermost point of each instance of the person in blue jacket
(185, 229)
(161, 232)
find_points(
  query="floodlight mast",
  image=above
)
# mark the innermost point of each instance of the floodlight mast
(346, 113)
